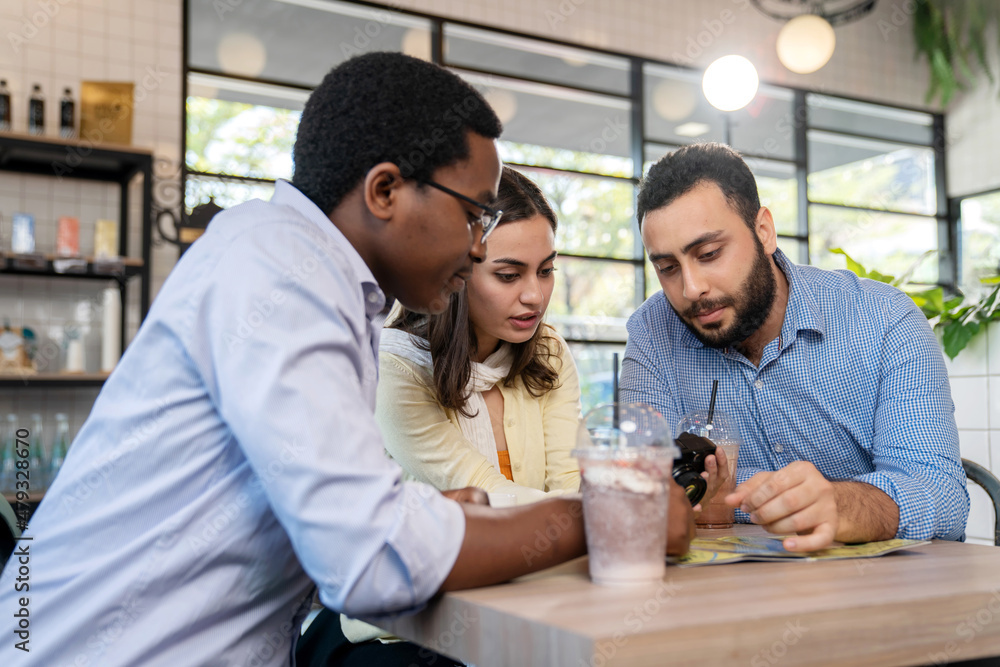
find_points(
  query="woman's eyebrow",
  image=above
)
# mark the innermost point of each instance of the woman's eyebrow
(516, 262)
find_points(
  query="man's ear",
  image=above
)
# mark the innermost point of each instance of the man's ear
(381, 189)
(764, 228)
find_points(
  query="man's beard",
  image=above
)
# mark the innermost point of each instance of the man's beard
(752, 306)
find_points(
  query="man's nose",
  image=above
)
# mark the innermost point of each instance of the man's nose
(478, 251)
(695, 286)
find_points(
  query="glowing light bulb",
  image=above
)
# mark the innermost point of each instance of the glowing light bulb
(806, 43)
(730, 83)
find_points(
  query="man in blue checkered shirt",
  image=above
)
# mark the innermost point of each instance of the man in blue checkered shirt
(837, 383)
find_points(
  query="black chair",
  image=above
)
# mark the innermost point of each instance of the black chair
(9, 531)
(323, 644)
(991, 485)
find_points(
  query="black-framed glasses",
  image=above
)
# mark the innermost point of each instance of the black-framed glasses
(488, 219)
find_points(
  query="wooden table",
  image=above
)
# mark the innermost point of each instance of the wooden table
(930, 605)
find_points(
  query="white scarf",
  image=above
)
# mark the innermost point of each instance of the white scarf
(477, 429)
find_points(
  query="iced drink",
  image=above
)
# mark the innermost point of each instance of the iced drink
(724, 433)
(625, 513)
(716, 513)
(626, 455)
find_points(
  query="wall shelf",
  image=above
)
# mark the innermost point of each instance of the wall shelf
(130, 267)
(54, 380)
(68, 158)
(75, 159)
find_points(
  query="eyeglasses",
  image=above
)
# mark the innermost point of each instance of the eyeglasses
(488, 219)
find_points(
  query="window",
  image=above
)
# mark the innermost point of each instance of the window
(250, 69)
(584, 124)
(568, 126)
(872, 188)
(980, 240)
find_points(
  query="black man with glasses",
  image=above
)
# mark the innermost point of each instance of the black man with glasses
(231, 467)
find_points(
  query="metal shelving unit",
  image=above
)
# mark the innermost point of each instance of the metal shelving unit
(60, 158)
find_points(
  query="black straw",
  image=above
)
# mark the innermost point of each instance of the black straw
(711, 402)
(614, 386)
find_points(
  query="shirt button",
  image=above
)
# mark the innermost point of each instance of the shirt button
(778, 447)
(516, 466)
(372, 297)
(758, 384)
(510, 422)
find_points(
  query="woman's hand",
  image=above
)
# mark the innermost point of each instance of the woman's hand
(680, 521)
(472, 495)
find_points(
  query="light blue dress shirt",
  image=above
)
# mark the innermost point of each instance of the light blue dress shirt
(231, 465)
(856, 385)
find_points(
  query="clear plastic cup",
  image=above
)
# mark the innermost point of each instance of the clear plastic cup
(722, 431)
(626, 456)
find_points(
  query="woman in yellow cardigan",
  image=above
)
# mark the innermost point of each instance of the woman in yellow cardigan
(486, 394)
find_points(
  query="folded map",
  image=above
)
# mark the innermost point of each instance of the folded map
(733, 548)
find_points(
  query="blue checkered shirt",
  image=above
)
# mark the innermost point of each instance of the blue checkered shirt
(855, 384)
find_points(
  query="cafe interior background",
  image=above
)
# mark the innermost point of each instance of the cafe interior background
(853, 155)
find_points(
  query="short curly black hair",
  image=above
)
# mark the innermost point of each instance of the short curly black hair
(384, 107)
(678, 172)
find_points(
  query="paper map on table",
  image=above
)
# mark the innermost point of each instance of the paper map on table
(732, 549)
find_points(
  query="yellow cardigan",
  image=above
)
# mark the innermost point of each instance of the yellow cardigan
(426, 441)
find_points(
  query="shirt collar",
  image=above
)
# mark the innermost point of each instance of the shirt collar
(286, 194)
(801, 313)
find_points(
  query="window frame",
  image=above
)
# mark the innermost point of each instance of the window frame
(946, 213)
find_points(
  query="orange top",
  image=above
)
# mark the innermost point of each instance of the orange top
(504, 458)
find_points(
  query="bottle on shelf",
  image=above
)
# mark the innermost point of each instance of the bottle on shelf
(111, 337)
(8, 467)
(67, 115)
(4, 106)
(37, 460)
(76, 361)
(36, 111)
(60, 446)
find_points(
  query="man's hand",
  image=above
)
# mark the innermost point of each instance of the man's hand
(795, 499)
(717, 474)
(680, 521)
(470, 494)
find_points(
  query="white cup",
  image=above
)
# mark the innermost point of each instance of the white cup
(502, 499)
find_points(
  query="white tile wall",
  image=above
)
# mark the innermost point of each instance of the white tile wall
(971, 401)
(974, 135)
(975, 385)
(975, 446)
(993, 343)
(979, 529)
(995, 445)
(84, 40)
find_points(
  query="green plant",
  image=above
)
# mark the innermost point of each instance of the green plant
(952, 36)
(958, 322)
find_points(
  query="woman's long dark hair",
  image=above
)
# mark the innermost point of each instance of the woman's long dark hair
(519, 199)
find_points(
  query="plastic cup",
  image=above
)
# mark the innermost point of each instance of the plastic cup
(723, 433)
(502, 499)
(625, 457)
